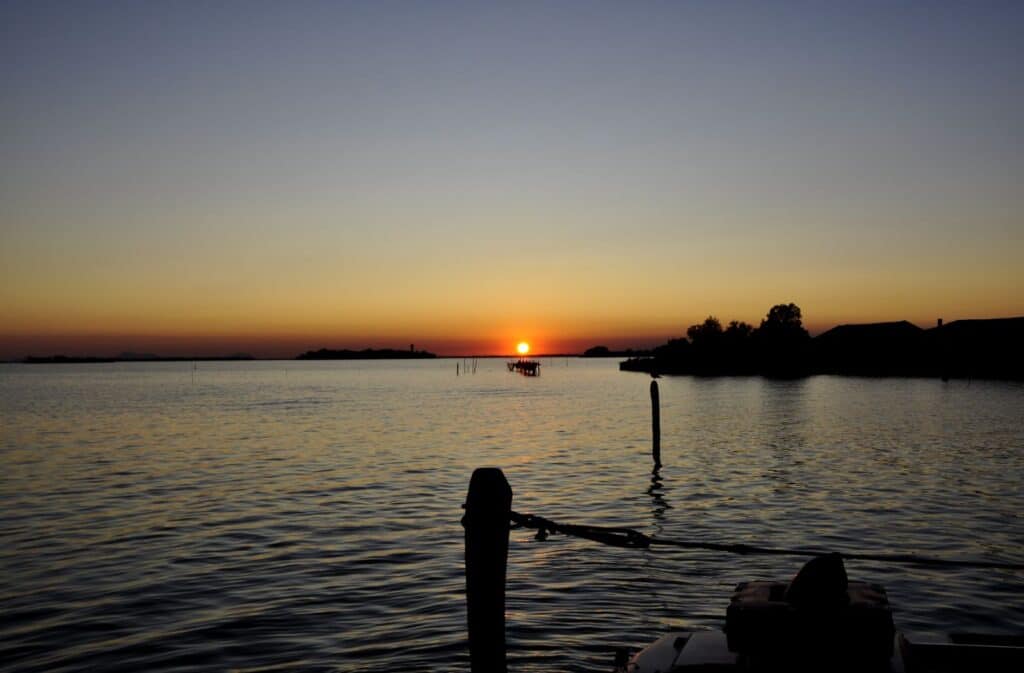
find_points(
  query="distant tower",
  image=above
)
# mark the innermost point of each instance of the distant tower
(413, 350)
(939, 324)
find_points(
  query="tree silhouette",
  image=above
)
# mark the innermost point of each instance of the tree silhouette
(674, 351)
(784, 319)
(708, 333)
(738, 333)
(782, 342)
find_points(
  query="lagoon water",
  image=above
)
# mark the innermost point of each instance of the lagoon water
(265, 516)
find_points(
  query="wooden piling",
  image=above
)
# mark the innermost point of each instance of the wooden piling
(488, 505)
(655, 425)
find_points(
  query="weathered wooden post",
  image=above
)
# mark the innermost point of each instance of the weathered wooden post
(488, 505)
(655, 425)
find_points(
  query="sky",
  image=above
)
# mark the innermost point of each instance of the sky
(266, 177)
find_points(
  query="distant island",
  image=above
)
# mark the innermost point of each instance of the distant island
(129, 357)
(366, 354)
(781, 347)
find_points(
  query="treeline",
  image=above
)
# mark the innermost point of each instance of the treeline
(605, 352)
(781, 347)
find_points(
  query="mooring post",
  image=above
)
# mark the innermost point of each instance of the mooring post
(488, 505)
(655, 425)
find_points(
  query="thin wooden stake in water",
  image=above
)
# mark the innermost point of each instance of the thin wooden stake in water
(488, 504)
(655, 425)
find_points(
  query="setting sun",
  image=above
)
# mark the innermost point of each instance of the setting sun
(523, 348)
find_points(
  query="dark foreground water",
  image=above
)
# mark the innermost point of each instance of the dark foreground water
(305, 516)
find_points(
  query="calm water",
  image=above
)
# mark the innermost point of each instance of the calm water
(305, 516)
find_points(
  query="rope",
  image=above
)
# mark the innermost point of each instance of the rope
(628, 537)
(616, 537)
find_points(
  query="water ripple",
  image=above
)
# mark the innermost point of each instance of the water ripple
(257, 521)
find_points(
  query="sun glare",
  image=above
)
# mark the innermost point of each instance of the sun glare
(523, 348)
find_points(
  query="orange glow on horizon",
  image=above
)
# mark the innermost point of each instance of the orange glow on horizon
(287, 331)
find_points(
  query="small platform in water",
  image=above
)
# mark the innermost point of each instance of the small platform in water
(525, 367)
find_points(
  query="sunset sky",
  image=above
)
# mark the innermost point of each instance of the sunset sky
(213, 177)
